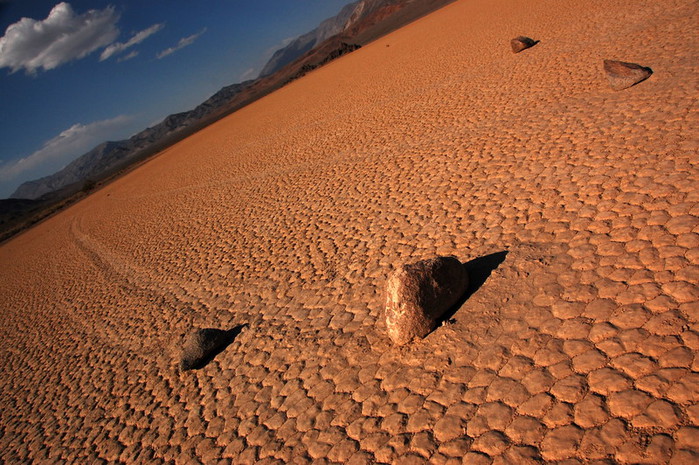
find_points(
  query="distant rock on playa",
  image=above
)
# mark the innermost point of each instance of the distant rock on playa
(202, 345)
(623, 75)
(419, 294)
(522, 43)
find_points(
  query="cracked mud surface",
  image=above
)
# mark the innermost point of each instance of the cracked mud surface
(287, 216)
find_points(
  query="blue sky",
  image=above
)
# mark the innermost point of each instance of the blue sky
(74, 74)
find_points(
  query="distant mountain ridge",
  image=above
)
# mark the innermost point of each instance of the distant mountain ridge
(109, 156)
(356, 24)
(349, 16)
(306, 42)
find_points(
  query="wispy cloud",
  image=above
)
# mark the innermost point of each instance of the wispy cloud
(62, 37)
(248, 74)
(184, 42)
(62, 149)
(279, 45)
(131, 55)
(137, 38)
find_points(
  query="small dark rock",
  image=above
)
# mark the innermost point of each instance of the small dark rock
(419, 294)
(202, 345)
(623, 75)
(522, 43)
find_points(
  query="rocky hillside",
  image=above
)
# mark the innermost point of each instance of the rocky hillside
(306, 42)
(350, 19)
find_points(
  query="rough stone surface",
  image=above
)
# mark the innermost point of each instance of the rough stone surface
(522, 43)
(622, 75)
(201, 345)
(419, 294)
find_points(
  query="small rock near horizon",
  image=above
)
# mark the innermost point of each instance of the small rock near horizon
(419, 294)
(623, 75)
(522, 43)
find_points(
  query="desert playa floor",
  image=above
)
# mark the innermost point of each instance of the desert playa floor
(579, 205)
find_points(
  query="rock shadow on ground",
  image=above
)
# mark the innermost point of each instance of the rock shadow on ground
(478, 271)
(203, 345)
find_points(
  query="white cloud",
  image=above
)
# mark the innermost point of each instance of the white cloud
(62, 149)
(184, 42)
(62, 37)
(137, 38)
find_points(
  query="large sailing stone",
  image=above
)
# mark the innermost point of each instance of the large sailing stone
(623, 75)
(201, 346)
(419, 294)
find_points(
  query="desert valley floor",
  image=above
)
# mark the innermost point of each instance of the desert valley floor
(577, 207)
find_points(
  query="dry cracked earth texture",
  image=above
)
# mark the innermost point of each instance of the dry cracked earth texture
(577, 346)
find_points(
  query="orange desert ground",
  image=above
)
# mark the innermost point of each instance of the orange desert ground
(288, 216)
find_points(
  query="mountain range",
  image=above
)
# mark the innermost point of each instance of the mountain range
(349, 15)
